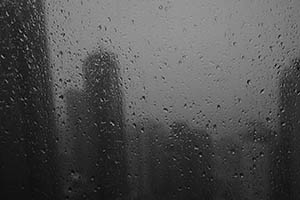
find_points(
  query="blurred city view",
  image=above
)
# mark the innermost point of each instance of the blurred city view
(113, 122)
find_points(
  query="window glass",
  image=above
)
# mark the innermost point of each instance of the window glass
(162, 99)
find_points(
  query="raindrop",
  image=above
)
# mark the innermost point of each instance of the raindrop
(248, 82)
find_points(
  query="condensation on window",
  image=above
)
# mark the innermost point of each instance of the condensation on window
(163, 99)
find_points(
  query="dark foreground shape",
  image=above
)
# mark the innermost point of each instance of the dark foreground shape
(27, 140)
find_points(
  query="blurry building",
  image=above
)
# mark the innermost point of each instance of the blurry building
(286, 163)
(95, 115)
(170, 162)
(189, 164)
(256, 154)
(148, 166)
(27, 139)
(242, 164)
(227, 169)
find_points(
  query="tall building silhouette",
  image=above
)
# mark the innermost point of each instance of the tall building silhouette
(286, 163)
(96, 122)
(27, 149)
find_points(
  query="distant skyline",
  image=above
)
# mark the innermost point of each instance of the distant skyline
(214, 64)
(211, 63)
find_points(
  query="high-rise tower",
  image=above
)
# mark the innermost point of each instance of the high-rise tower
(96, 121)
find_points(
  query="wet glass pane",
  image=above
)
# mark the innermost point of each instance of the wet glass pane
(154, 100)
